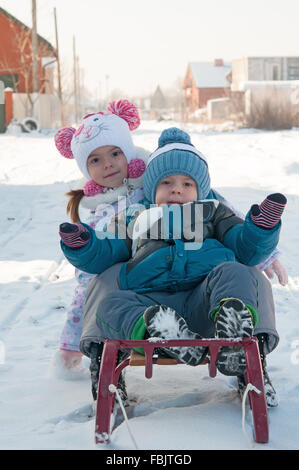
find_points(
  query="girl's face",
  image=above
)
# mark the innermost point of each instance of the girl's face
(108, 166)
(176, 189)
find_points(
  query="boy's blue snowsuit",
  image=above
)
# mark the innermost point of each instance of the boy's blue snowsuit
(168, 264)
(163, 271)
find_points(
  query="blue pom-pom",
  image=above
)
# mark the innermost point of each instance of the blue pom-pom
(173, 134)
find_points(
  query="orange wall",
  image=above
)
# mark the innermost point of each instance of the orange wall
(206, 94)
(10, 62)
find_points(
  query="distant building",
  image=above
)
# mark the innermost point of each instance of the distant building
(204, 81)
(16, 56)
(158, 101)
(267, 69)
(158, 104)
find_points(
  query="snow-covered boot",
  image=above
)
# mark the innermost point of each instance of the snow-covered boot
(164, 322)
(271, 396)
(232, 320)
(121, 385)
(95, 354)
(270, 393)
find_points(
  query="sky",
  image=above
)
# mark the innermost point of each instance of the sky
(135, 45)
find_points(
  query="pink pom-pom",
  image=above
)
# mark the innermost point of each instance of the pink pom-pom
(91, 188)
(136, 168)
(63, 139)
(127, 111)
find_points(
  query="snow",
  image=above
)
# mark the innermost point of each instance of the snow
(45, 407)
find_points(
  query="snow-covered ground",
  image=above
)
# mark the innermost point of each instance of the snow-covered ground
(42, 406)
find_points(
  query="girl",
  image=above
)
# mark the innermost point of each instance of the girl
(112, 168)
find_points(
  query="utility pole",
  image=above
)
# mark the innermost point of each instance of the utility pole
(34, 49)
(75, 80)
(81, 98)
(107, 88)
(100, 104)
(79, 87)
(58, 70)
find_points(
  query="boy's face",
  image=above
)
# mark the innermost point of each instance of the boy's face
(176, 189)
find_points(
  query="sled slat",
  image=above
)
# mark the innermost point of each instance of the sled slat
(137, 359)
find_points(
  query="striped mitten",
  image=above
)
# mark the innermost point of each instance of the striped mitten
(74, 235)
(269, 212)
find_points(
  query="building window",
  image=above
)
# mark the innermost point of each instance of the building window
(10, 81)
(275, 72)
(293, 73)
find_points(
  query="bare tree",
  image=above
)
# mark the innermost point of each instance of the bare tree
(34, 41)
(271, 111)
(22, 49)
(87, 103)
(65, 93)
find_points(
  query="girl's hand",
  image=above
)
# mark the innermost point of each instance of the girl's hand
(71, 359)
(277, 268)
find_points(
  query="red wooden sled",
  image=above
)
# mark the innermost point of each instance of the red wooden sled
(109, 374)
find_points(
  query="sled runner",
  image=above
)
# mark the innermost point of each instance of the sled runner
(109, 374)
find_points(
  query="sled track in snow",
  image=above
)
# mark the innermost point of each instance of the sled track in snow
(16, 230)
(9, 318)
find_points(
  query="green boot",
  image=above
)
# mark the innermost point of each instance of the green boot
(233, 319)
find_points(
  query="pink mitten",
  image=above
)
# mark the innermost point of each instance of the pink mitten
(269, 212)
(74, 235)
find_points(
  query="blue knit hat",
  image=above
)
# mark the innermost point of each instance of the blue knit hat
(176, 155)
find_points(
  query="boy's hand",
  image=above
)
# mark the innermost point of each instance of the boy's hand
(269, 212)
(74, 235)
(277, 268)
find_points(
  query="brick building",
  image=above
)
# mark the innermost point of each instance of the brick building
(205, 81)
(16, 56)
